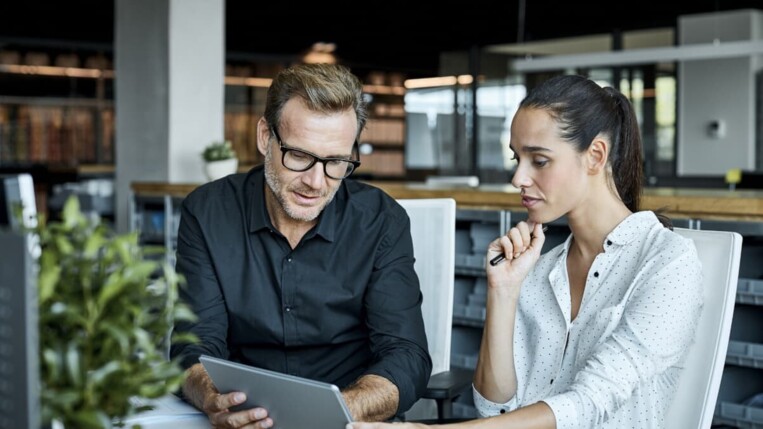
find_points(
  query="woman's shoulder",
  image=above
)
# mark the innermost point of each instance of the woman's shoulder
(666, 243)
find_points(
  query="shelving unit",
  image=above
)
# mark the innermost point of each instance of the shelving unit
(56, 122)
(385, 135)
(743, 374)
(244, 105)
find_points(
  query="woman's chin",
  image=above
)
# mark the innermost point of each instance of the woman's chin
(541, 218)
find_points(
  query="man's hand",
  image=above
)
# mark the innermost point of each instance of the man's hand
(217, 408)
(201, 393)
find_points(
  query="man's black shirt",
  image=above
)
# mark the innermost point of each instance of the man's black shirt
(345, 302)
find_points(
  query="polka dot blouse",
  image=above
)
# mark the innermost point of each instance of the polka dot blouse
(617, 364)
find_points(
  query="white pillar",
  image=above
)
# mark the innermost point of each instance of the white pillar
(169, 67)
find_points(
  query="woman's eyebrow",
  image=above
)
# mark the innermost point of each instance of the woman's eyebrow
(531, 149)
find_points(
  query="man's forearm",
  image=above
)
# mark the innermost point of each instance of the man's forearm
(372, 398)
(197, 386)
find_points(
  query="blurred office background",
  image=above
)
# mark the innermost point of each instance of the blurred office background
(443, 83)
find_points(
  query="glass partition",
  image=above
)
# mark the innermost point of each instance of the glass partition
(442, 122)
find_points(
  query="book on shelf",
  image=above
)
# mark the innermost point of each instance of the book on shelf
(56, 135)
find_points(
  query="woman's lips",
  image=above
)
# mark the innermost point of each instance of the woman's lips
(529, 202)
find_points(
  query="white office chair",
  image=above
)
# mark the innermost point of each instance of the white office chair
(694, 404)
(433, 229)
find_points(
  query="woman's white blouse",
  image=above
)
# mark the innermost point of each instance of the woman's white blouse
(617, 364)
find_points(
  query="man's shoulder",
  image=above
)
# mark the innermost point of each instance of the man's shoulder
(370, 199)
(224, 189)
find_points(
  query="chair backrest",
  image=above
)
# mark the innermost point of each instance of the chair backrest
(433, 228)
(694, 404)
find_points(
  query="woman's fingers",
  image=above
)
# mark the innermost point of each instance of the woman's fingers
(520, 238)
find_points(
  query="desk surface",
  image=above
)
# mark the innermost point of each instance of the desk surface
(744, 205)
(168, 411)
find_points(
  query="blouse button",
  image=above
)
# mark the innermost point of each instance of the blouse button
(502, 411)
(609, 242)
(596, 274)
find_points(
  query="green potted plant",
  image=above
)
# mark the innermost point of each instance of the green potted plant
(106, 308)
(220, 160)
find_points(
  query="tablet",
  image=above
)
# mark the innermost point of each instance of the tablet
(292, 402)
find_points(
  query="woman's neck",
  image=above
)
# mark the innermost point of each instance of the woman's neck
(592, 221)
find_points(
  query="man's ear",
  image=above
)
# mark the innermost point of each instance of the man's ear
(263, 136)
(597, 155)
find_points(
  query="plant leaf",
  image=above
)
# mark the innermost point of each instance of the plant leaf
(73, 367)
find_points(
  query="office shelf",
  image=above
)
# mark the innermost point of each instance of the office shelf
(750, 291)
(741, 353)
(740, 416)
(738, 388)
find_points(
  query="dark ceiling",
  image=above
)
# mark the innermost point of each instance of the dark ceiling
(390, 35)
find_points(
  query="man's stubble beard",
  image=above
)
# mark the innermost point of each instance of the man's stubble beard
(275, 185)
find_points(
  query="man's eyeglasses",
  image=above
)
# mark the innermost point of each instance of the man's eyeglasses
(300, 160)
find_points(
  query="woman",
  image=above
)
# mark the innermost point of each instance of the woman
(594, 332)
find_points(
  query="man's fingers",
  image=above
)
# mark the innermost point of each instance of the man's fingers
(255, 418)
(222, 402)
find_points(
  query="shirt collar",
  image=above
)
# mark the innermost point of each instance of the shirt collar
(260, 219)
(631, 228)
(625, 232)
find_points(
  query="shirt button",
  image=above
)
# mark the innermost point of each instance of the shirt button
(287, 309)
(552, 381)
(596, 274)
(502, 411)
(609, 242)
(288, 260)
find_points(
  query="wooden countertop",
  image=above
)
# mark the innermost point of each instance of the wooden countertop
(678, 202)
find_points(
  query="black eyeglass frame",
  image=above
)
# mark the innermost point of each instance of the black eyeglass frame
(286, 149)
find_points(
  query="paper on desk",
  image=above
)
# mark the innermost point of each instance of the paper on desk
(167, 409)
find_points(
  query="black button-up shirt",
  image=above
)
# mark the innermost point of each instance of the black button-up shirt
(344, 303)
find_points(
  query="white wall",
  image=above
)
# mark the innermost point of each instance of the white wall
(717, 90)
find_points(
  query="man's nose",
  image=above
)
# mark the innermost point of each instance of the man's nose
(315, 177)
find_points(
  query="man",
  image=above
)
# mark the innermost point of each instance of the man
(294, 268)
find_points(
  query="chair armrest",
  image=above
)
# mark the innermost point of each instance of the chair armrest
(449, 384)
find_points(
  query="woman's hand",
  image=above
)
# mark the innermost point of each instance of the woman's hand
(521, 247)
(361, 425)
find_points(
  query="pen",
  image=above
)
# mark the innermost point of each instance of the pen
(500, 258)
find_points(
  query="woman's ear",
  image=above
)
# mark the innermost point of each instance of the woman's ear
(597, 155)
(263, 136)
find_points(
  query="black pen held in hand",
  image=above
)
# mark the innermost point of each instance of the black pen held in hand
(500, 258)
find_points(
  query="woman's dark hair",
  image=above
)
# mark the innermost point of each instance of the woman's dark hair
(583, 110)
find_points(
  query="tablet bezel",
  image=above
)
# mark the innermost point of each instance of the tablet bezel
(291, 401)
